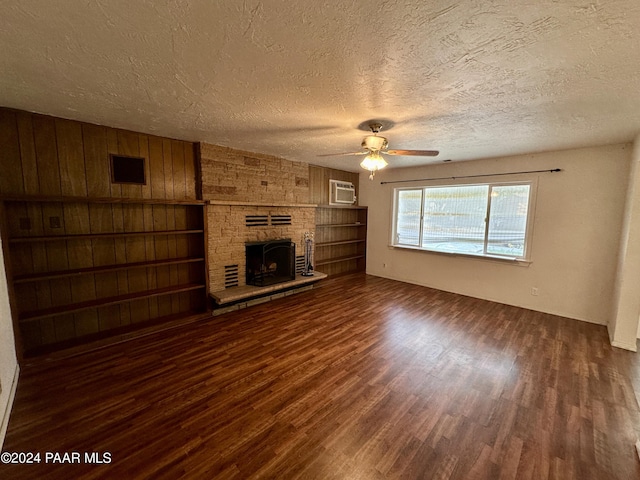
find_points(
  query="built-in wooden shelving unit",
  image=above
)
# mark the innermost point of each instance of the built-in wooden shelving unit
(85, 268)
(341, 238)
(102, 269)
(89, 236)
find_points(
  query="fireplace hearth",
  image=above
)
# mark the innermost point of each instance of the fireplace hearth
(271, 262)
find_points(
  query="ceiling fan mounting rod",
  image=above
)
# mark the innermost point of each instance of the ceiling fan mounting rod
(375, 128)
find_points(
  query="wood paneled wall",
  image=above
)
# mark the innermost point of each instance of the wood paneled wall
(341, 231)
(53, 157)
(42, 155)
(319, 182)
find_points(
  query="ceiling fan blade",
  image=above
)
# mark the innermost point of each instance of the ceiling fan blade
(341, 154)
(414, 153)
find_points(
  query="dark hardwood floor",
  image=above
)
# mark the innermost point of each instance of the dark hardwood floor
(360, 378)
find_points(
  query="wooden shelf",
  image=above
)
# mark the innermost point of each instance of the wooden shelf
(111, 200)
(337, 225)
(94, 341)
(90, 236)
(343, 242)
(103, 302)
(339, 259)
(35, 277)
(344, 207)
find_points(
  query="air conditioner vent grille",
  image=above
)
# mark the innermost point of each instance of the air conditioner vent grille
(230, 276)
(280, 219)
(257, 220)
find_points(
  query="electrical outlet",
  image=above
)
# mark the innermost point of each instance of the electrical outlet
(534, 291)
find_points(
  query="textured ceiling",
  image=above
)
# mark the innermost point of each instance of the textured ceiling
(472, 79)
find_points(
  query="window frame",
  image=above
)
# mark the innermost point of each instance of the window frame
(526, 256)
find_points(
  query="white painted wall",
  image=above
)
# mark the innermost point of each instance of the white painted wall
(8, 361)
(623, 327)
(576, 236)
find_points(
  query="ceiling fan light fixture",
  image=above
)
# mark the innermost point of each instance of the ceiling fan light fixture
(374, 143)
(373, 162)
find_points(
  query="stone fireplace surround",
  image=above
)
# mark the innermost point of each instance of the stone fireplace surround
(229, 233)
(230, 251)
(242, 187)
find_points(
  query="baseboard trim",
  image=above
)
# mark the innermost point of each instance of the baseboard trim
(9, 405)
(490, 299)
(627, 346)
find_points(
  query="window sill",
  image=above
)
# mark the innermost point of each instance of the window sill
(522, 262)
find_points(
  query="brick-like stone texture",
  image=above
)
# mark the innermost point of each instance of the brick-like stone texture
(239, 176)
(228, 234)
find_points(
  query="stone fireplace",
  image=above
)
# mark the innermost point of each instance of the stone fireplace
(252, 198)
(236, 226)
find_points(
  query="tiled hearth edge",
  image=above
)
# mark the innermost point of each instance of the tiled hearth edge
(237, 298)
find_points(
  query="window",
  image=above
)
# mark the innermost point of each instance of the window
(487, 220)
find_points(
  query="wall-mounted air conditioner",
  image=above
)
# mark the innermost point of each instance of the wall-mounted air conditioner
(341, 193)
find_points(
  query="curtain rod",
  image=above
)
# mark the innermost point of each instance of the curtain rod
(474, 176)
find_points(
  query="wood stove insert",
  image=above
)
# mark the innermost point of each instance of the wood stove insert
(270, 262)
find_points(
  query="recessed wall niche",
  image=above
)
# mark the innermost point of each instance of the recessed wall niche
(129, 170)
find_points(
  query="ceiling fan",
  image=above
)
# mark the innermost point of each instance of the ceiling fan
(374, 145)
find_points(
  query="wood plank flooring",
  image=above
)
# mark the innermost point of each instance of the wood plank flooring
(360, 378)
